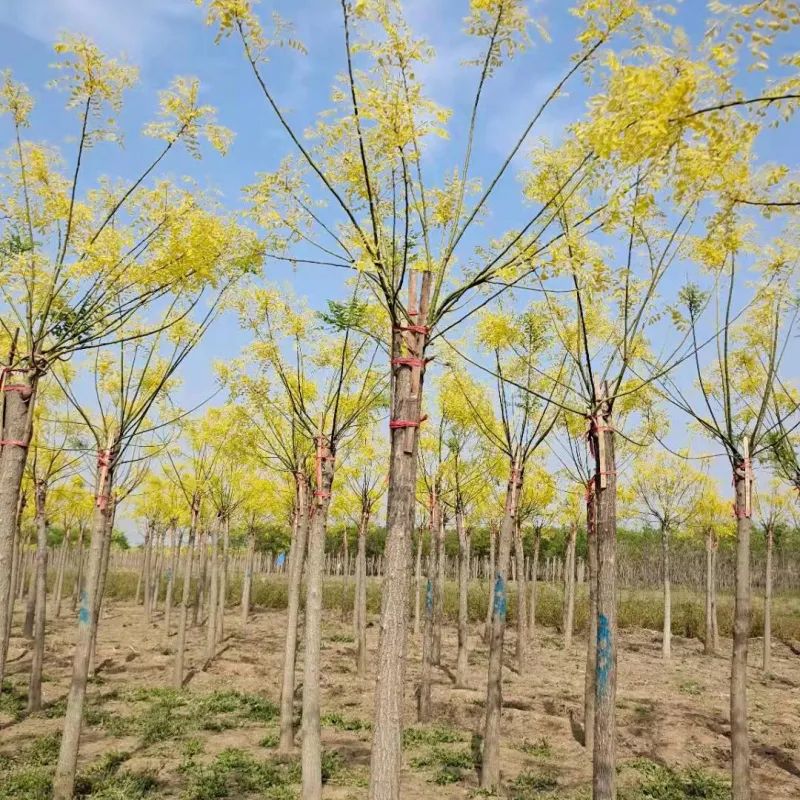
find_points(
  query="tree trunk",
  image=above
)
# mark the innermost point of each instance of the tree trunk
(709, 644)
(30, 600)
(714, 619)
(149, 536)
(171, 573)
(490, 769)
(522, 606)
(437, 536)
(17, 427)
(180, 647)
(386, 757)
(199, 602)
(768, 601)
(345, 573)
(424, 702)
(589, 685)
(462, 660)
(487, 631)
(311, 756)
(361, 598)
(740, 744)
(40, 595)
(296, 559)
(222, 597)
(213, 595)
(666, 638)
(16, 547)
(101, 582)
(64, 779)
(605, 760)
(418, 585)
(247, 582)
(569, 587)
(76, 589)
(62, 566)
(537, 540)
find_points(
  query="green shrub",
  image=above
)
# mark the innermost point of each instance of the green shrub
(658, 782)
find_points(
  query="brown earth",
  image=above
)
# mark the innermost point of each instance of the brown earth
(673, 713)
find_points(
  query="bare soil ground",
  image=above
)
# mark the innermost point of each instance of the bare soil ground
(210, 740)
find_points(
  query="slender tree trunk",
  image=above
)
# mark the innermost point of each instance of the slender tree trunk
(311, 756)
(213, 594)
(64, 779)
(605, 760)
(418, 586)
(768, 601)
(537, 541)
(62, 566)
(16, 547)
(296, 559)
(180, 647)
(345, 574)
(714, 618)
(589, 687)
(199, 603)
(361, 598)
(247, 582)
(223, 576)
(490, 769)
(101, 581)
(569, 587)
(16, 430)
(424, 702)
(740, 744)
(147, 567)
(666, 638)
(386, 757)
(522, 605)
(462, 660)
(708, 644)
(171, 573)
(490, 578)
(437, 537)
(30, 599)
(40, 594)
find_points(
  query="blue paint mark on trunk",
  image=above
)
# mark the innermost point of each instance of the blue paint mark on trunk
(83, 613)
(500, 598)
(429, 596)
(603, 655)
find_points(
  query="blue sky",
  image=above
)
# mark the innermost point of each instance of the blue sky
(168, 37)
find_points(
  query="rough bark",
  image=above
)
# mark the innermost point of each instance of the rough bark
(740, 743)
(666, 636)
(222, 568)
(604, 762)
(149, 536)
(40, 594)
(296, 559)
(537, 541)
(418, 586)
(197, 609)
(213, 595)
(437, 536)
(487, 630)
(171, 573)
(64, 779)
(311, 755)
(424, 702)
(387, 734)
(76, 589)
(589, 688)
(490, 765)
(16, 429)
(462, 659)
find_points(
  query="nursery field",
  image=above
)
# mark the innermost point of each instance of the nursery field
(217, 738)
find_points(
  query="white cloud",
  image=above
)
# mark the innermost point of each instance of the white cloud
(133, 27)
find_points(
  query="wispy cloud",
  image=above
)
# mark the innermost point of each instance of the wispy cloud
(135, 28)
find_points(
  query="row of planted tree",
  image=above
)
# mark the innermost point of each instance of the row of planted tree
(108, 287)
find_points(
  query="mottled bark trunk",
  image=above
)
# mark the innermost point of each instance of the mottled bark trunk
(740, 743)
(311, 755)
(462, 660)
(386, 757)
(18, 399)
(490, 768)
(40, 594)
(589, 684)
(64, 779)
(605, 759)
(295, 568)
(765, 663)
(666, 635)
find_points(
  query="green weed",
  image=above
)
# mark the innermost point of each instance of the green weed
(662, 783)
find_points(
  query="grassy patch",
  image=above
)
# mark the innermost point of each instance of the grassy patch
(539, 749)
(690, 687)
(12, 701)
(430, 735)
(657, 782)
(106, 781)
(530, 784)
(341, 723)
